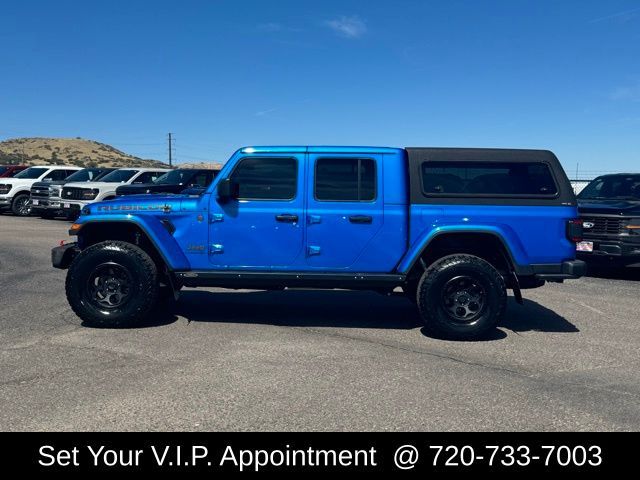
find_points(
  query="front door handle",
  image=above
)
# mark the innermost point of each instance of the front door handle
(360, 219)
(287, 218)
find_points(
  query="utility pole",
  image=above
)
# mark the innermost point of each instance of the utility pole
(170, 151)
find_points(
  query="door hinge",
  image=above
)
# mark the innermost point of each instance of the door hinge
(313, 250)
(216, 248)
(216, 217)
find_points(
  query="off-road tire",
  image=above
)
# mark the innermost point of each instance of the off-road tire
(142, 285)
(433, 295)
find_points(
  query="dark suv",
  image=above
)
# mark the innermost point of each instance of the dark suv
(174, 181)
(610, 211)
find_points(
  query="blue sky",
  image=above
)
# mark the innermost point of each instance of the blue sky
(563, 75)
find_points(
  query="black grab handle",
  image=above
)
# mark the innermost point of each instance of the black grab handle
(285, 217)
(360, 219)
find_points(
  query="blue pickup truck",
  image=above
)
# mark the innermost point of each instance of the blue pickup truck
(453, 228)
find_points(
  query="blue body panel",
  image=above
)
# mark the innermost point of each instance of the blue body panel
(532, 234)
(244, 234)
(148, 222)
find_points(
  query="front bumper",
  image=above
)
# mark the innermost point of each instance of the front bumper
(72, 208)
(5, 201)
(614, 251)
(45, 204)
(62, 256)
(557, 272)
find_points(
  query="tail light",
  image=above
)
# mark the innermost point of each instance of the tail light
(574, 230)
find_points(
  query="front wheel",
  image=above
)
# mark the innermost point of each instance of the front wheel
(20, 205)
(112, 284)
(461, 297)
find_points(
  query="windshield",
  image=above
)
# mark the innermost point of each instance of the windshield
(85, 175)
(119, 176)
(618, 187)
(3, 169)
(175, 177)
(32, 172)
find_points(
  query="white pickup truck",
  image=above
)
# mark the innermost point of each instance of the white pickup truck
(76, 195)
(14, 191)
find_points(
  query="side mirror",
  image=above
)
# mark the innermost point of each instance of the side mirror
(228, 189)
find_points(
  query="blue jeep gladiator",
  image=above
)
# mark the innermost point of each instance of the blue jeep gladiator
(453, 228)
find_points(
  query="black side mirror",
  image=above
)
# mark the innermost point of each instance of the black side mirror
(228, 189)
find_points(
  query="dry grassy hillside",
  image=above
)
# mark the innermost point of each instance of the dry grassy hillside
(210, 166)
(68, 151)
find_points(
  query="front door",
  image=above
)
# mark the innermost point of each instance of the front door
(263, 228)
(345, 208)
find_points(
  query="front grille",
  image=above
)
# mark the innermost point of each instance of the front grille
(40, 192)
(72, 193)
(604, 225)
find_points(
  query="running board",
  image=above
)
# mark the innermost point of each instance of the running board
(260, 280)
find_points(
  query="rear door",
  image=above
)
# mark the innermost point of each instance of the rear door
(345, 208)
(262, 229)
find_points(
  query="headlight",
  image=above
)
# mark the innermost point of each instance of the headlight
(4, 188)
(634, 226)
(90, 194)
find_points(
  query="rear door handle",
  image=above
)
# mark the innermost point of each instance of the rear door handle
(287, 218)
(360, 219)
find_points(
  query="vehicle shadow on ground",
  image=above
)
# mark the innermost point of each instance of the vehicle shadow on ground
(533, 317)
(342, 309)
(610, 273)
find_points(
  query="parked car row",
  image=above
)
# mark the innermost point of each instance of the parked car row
(50, 191)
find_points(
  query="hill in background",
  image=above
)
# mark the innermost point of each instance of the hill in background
(76, 151)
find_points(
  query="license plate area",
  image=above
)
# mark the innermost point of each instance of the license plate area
(584, 247)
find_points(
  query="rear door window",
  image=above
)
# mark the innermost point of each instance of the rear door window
(345, 179)
(56, 175)
(489, 179)
(148, 177)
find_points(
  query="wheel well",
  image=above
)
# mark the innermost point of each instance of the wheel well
(93, 233)
(484, 245)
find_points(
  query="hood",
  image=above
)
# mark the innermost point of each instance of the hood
(143, 188)
(139, 204)
(48, 184)
(105, 185)
(18, 181)
(609, 207)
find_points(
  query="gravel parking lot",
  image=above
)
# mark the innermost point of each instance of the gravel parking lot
(309, 360)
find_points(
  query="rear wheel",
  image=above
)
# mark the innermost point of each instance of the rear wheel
(112, 284)
(20, 205)
(461, 297)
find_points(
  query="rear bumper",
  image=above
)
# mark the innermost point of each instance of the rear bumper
(557, 272)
